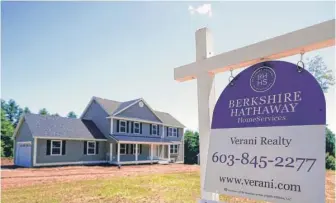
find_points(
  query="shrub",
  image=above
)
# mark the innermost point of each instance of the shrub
(330, 162)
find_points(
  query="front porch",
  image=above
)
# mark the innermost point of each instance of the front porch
(138, 153)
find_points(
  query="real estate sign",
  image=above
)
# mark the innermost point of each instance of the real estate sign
(267, 136)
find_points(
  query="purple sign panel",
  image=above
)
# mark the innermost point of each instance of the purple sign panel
(272, 93)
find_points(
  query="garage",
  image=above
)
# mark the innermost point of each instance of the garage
(23, 154)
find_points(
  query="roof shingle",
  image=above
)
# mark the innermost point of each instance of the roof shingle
(61, 127)
(112, 107)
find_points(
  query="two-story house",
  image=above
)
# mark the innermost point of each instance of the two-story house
(107, 132)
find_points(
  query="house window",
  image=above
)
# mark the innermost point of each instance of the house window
(91, 148)
(135, 148)
(123, 149)
(172, 132)
(56, 146)
(122, 126)
(174, 149)
(154, 129)
(136, 126)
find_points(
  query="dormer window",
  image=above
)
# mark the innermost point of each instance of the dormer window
(122, 126)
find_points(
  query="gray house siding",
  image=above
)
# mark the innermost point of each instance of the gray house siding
(98, 116)
(135, 111)
(179, 136)
(74, 152)
(24, 135)
(146, 130)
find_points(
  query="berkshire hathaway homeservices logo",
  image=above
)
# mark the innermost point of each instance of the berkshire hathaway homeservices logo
(262, 79)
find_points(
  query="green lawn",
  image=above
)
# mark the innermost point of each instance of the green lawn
(164, 188)
(181, 187)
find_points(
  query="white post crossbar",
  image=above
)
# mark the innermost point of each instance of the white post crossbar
(308, 39)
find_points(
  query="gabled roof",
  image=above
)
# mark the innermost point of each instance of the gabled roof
(169, 119)
(112, 107)
(61, 127)
(124, 105)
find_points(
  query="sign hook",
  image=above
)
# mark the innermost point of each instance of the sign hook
(300, 68)
(231, 77)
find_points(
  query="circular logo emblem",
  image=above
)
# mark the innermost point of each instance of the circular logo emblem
(262, 79)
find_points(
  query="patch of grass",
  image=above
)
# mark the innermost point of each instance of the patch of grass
(181, 187)
(158, 188)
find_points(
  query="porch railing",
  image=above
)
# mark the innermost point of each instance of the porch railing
(129, 157)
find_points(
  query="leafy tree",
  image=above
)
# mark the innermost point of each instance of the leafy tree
(7, 131)
(330, 162)
(71, 114)
(26, 110)
(55, 114)
(191, 147)
(319, 70)
(330, 142)
(12, 111)
(43, 112)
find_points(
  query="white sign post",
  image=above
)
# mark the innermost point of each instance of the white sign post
(206, 66)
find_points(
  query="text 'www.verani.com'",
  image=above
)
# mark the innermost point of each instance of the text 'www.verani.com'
(258, 183)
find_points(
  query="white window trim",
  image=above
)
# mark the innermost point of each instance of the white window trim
(134, 127)
(87, 147)
(134, 149)
(174, 147)
(120, 121)
(156, 129)
(51, 148)
(125, 151)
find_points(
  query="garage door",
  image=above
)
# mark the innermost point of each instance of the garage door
(23, 154)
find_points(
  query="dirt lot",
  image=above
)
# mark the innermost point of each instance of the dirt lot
(19, 177)
(23, 176)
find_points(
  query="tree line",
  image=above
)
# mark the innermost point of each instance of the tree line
(11, 113)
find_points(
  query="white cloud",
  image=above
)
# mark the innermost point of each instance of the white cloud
(204, 9)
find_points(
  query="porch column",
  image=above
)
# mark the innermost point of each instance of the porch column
(136, 152)
(162, 131)
(118, 152)
(163, 151)
(111, 126)
(169, 152)
(111, 152)
(151, 152)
